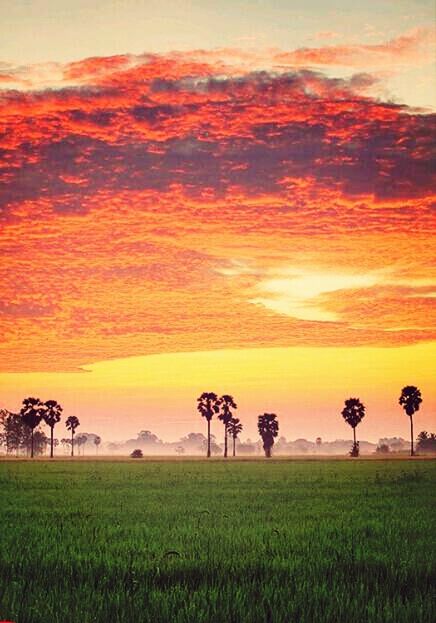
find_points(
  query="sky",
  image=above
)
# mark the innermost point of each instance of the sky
(234, 197)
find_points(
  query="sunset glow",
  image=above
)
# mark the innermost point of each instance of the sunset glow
(253, 222)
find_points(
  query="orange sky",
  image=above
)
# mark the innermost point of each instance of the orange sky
(186, 203)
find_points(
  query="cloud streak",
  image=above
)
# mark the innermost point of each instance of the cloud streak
(414, 47)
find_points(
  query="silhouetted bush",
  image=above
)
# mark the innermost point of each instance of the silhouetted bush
(137, 454)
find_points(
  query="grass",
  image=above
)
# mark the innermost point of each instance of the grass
(191, 541)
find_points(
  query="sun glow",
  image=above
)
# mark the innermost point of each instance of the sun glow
(296, 294)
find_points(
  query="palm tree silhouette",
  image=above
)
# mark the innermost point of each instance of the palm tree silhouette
(268, 427)
(234, 428)
(97, 442)
(72, 423)
(353, 413)
(227, 404)
(410, 400)
(208, 404)
(52, 415)
(31, 414)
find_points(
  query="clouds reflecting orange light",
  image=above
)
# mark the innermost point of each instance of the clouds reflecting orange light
(181, 203)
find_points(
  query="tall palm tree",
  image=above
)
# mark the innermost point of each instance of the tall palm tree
(353, 413)
(97, 442)
(234, 428)
(72, 423)
(268, 427)
(31, 414)
(208, 404)
(52, 415)
(227, 404)
(410, 400)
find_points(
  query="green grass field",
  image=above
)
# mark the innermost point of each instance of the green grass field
(244, 541)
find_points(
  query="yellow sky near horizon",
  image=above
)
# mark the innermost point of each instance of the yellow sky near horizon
(305, 386)
(249, 214)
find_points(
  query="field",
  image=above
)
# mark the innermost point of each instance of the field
(245, 541)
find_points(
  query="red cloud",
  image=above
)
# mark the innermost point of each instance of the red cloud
(124, 198)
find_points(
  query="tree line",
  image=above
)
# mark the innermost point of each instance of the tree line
(209, 404)
(20, 430)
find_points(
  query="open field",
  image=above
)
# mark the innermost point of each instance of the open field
(239, 541)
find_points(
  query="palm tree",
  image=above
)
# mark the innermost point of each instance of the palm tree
(208, 404)
(268, 427)
(353, 413)
(227, 404)
(72, 423)
(97, 442)
(234, 428)
(31, 414)
(410, 400)
(52, 415)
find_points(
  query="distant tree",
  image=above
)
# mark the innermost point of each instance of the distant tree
(97, 442)
(80, 441)
(31, 413)
(208, 405)
(426, 442)
(318, 441)
(15, 432)
(72, 423)
(268, 427)
(137, 454)
(353, 413)
(214, 447)
(146, 436)
(4, 413)
(410, 400)
(180, 450)
(51, 415)
(226, 405)
(65, 442)
(234, 428)
(194, 442)
(40, 442)
(383, 448)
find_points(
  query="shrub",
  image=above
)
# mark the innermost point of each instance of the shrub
(137, 454)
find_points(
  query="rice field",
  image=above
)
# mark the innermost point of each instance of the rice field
(188, 541)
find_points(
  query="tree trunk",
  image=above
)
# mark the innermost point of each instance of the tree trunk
(354, 434)
(51, 442)
(31, 445)
(72, 443)
(234, 446)
(225, 441)
(208, 439)
(412, 451)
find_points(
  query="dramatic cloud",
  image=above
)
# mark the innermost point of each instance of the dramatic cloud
(177, 203)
